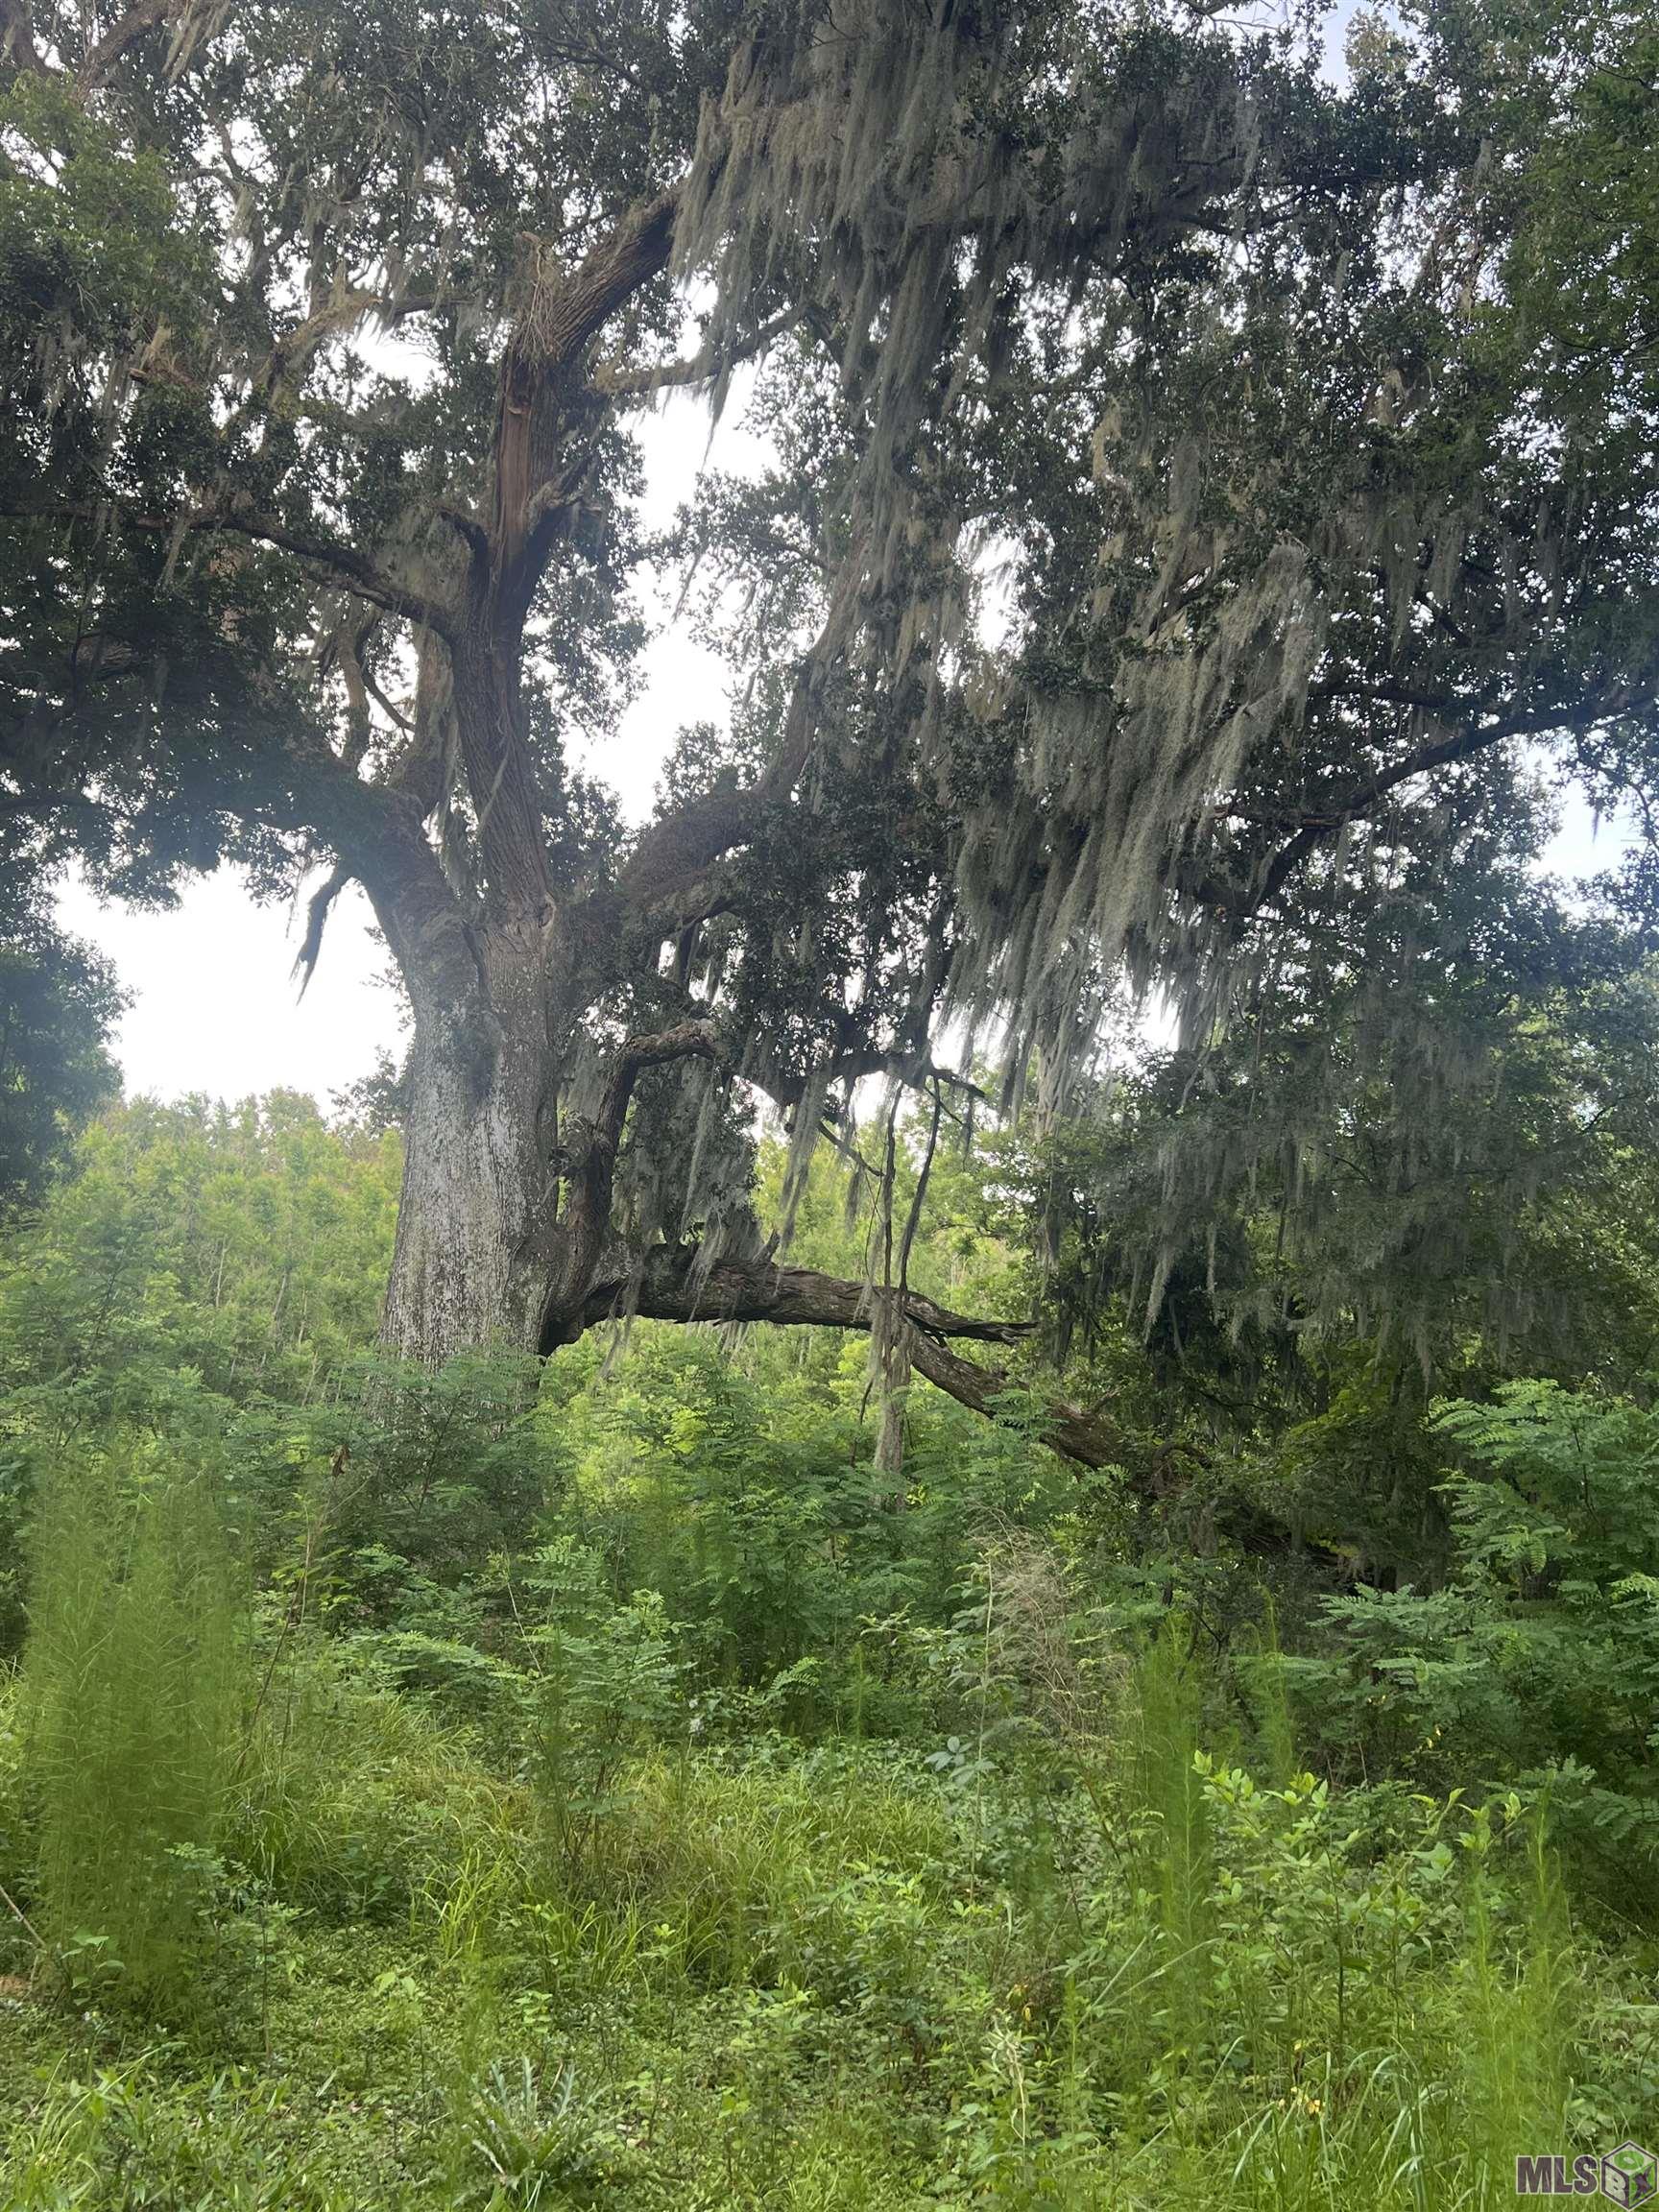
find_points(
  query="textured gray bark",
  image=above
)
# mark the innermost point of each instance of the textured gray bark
(471, 1265)
(477, 1221)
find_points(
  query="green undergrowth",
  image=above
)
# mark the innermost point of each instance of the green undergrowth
(1032, 1967)
(592, 1785)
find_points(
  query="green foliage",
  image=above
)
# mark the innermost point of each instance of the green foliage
(200, 1258)
(536, 2144)
(1584, 267)
(444, 1468)
(610, 1793)
(58, 1001)
(1538, 1659)
(130, 1692)
(793, 1977)
(1426, 1136)
(248, 1244)
(602, 1690)
(89, 242)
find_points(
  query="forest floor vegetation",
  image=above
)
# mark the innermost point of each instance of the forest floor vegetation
(591, 1787)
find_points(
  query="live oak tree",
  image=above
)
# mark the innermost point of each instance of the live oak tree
(1178, 497)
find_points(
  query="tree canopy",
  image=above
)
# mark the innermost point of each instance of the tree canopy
(58, 1001)
(1195, 511)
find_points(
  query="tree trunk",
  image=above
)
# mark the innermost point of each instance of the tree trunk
(475, 1220)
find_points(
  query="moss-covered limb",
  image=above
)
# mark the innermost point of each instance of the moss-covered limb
(671, 1287)
(1090, 1437)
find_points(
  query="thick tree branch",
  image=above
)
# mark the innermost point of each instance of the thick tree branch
(125, 33)
(1358, 802)
(555, 324)
(541, 455)
(420, 916)
(635, 251)
(685, 1041)
(353, 568)
(17, 41)
(590, 1167)
(292, 352)
(671, 1289)
(349, 567)
(1324, 816)
(1090, 1439)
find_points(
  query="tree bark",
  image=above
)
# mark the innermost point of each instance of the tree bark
(468, 1207)
(476, 1219)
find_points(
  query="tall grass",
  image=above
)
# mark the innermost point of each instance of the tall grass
(130, 1695)
(1089, 1955)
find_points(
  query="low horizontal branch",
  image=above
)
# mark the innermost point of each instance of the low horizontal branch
(671, 1289)
(1090, 1439)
